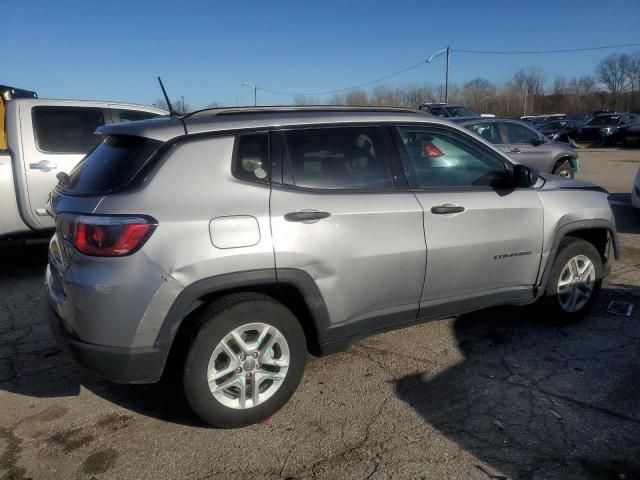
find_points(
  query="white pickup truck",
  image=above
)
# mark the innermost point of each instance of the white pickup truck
(40, 138)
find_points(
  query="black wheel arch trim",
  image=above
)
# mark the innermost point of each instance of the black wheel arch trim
(572, 227)
(296, 278)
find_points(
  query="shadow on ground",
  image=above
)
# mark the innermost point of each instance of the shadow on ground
(536, 400)
(32, 364)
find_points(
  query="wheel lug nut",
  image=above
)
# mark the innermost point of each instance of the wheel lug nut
(243, 357)
(248, 374)
(239, 370)
(255, 354)
(257, 365)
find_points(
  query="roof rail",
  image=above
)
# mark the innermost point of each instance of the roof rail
(210, 112)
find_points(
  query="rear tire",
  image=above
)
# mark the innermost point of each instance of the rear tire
(574, 281)
(246, 358)
(564, 169)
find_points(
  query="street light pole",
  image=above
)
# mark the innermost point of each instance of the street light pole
(446, 50)
(255, 95)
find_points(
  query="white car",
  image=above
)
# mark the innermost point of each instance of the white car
(635, 193)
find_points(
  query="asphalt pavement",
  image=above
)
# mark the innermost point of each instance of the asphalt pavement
(501, 393)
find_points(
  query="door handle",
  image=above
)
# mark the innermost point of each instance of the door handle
(306, 216)
(516, 150)
(44, 165)
(446, 209)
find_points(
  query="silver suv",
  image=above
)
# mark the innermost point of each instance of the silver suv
(229, 243)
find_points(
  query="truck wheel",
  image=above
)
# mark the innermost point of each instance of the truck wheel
(564, 170)
(245, 360)
(574, 281)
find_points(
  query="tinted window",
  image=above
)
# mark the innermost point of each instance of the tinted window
(337, 158)
(134, 115)
(517, 133)
(251, 160)
(445, 159)
(67, 129)
(487, 130)
(604, 120)
(438, 112)
(111, 165)
(461, 112)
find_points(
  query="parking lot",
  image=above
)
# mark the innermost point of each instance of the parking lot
(495, 394)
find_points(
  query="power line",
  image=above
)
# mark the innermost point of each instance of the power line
(339, 90)
(539, 52)
(457, 50)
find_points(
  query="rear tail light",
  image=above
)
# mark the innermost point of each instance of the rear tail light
(105, 236)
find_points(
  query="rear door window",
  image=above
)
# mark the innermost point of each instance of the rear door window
(338, 158)
(487, 130)
(111, 165)
(519, 134)
(67, 129)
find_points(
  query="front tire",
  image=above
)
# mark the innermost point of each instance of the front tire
(574, 281)
(564, 170)
(246, 359)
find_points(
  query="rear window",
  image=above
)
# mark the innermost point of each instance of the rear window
(67, 129)
(111, 165)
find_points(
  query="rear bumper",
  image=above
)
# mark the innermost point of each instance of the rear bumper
(121, 365)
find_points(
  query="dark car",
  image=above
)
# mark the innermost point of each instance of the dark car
(630, 135)
(525, 145)
(445, 111)
(603, 129)
(556, 129)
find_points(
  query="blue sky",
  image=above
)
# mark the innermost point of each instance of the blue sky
(204, 50)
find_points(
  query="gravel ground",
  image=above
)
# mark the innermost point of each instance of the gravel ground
(496, 394)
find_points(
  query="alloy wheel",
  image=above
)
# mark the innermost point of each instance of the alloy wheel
(248, 365)
(576, 283)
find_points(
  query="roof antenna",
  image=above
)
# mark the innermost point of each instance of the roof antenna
(172, 112)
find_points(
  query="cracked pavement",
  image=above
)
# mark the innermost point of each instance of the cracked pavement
(500, 393)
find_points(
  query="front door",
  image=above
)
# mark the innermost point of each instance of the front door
(339, 216)
(55, 141)
(526, 146)
(484, 238)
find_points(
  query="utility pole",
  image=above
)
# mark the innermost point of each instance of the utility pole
(446, 50)
(255, 95)
(446, 79)
(182, 98)
(526, 92)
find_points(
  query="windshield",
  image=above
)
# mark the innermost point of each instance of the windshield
(461, 112)
(605, 120)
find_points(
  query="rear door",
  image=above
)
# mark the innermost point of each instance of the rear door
(341, 215)
(526, 147)
(483, 237)
(55, 140)
(491, 132)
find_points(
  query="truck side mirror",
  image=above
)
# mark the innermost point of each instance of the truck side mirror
(524, 176)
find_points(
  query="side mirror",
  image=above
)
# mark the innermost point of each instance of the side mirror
(524, 176)
(537, 141)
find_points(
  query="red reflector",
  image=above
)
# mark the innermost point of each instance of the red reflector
(110, 240)
(431, 150)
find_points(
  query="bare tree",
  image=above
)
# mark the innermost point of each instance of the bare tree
(178, 105)
(478, 94)
(614, 72)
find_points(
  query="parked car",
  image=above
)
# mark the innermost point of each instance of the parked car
(540, 119)
(526, 145)
(630, 134)
(603, 129)
(446, 111)
(556, 129)
(40, 138)
(635, 193)
(228, 243)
